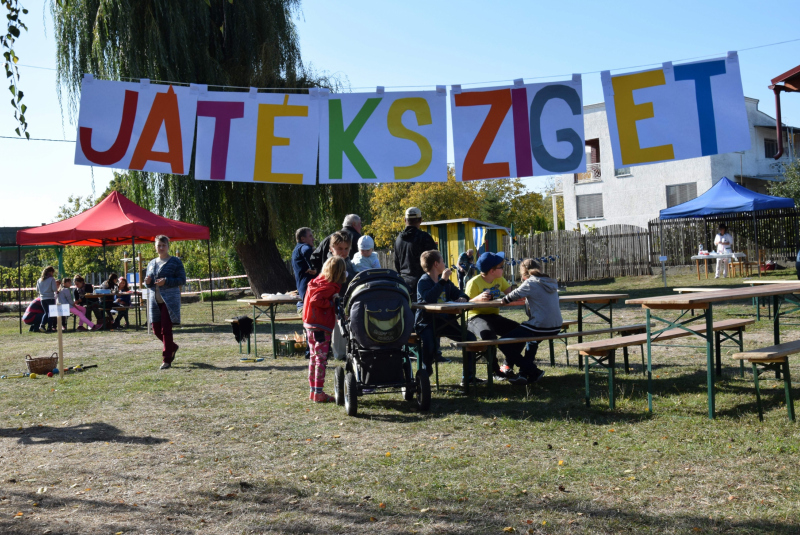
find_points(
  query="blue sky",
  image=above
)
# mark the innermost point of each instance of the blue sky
(424, 43)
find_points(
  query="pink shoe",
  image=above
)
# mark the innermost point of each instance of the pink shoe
(322, 397)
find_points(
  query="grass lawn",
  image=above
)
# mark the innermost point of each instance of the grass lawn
(216, 445)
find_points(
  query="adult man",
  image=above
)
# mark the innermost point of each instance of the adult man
(301, 262)
(408, 247)
(465, 266)
(724, 244)
(351, 225)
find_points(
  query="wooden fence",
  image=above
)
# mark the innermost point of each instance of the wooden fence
(612, 251)
(775, 231)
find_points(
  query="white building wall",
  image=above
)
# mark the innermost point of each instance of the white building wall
(637, 198)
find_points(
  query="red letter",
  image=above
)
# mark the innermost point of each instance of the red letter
(474, 163)
(120, 146)
(164, 111)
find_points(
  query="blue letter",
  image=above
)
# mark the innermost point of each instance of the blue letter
(701, 73)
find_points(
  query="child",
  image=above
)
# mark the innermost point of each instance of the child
(544, 312)
(340, 247)
(90, 306)
(64, 297)
(123, 300)
(319, 320)
(47, 287)
(435, 287)
(487, 323)
(366, 258)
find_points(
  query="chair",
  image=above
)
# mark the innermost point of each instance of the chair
(761, 261)
(739, 264)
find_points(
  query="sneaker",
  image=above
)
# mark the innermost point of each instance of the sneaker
(97, 326)
(536, 376)
(518, 380)
(367, 390)
(321, 397)
(165, 366)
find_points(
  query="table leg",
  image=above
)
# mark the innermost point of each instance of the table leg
(776, 327)
(649, 362)
(787, 386)
(741, 349)
(255, 338)
(611, 366)
(706, 262)
(465, 356)
(697, 264)
(275, 343)
(580, 329)
(758, 393)
(718, 343)
(710, 358)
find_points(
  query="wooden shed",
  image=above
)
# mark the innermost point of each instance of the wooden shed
(456, 236)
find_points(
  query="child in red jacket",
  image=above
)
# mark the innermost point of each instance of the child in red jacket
(319, 320)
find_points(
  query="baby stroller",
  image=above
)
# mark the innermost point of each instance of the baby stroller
(376, 320)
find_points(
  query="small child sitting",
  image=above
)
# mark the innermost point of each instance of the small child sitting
(123, 299)
(64, 297)
(366, 258)
(435, 287)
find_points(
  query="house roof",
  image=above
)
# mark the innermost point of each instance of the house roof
(8, 235)
(789, 78)
(478, 222)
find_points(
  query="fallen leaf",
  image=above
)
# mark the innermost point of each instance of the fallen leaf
(509, 529)
(560, 463)
(373, 519)
(388, 454)
(382, 505)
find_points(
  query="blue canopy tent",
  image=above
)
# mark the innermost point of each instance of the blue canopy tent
(726, 197)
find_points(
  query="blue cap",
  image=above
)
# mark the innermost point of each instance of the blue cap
(487, 261)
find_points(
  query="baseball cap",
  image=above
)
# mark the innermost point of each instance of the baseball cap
(365, 243)
(487, 261)
(413, 212)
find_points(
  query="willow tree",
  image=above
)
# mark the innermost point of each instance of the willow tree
(244, 43)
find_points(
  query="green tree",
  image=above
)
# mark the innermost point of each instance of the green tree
(245, 43)
(790, 187)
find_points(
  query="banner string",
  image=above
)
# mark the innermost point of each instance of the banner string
(462, 84)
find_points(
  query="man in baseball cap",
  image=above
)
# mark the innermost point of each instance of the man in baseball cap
(409, 246)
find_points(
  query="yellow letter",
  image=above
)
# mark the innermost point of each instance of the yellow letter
(628, 113)
(266, 139)
(394, 119)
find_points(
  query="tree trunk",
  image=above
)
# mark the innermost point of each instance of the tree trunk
(264, 267)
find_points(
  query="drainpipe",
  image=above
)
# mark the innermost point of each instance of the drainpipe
(777, 90)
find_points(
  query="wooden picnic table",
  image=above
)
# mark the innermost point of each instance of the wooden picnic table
(752, 282)
(705, 301)
(112, 296)
(584, 301)
(714, 256)
(270, 302)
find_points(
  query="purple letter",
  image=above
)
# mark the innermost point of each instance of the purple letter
(223, 113)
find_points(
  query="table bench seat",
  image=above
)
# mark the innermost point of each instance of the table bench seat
(775, 358)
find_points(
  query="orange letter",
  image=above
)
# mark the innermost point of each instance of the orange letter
(164, 111)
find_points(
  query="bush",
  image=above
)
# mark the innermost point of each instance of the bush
(218, 295)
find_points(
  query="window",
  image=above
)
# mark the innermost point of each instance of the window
(592, 173)
(770, 148)
(589, 206)
(622, 171)
(680, 193)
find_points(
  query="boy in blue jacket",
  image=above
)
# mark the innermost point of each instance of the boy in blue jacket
(435, 287)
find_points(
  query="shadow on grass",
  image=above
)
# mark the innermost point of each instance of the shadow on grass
(82, 433)
(247, 368)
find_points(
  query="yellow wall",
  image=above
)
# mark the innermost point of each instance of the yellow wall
(453, 247)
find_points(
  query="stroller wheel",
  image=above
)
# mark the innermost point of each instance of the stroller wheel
(423, 393)
(350, 394)
(338, 385)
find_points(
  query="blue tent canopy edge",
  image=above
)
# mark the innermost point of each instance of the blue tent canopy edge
(726, 197)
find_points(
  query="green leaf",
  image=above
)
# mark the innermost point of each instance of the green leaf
(24, 108)
(13, 89)
(230, 2)
(17, 131)
(20, 94)
(22, 118)
(13, 30)
(27, 135)
(208, 3)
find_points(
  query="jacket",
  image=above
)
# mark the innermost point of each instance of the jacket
(301, 263)
(318, 309)
(323, 250)
(33, 314)
(541, 298)
(175, 276)
(434, 292)
(47, 288)
(408, 247)
(80, 293)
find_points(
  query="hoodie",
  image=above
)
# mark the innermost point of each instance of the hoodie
(541, 298)
(318, 309)
(408, 247)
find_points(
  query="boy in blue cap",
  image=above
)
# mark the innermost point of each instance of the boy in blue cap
(488, 324)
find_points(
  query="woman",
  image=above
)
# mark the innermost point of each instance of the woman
(165, 276)
(47, 288)
(107, 303)
(123, 300)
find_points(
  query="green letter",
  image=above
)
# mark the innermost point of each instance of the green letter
(341, 140)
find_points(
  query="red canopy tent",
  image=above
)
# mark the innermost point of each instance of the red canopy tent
(116, 220)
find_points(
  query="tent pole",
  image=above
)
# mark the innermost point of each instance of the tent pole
(661, 240)
(210, 282)
(105, 262)
(19, 288)
(135, 282)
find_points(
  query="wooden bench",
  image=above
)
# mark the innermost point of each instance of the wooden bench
(602, 352)
(775, 358)
(489, 347)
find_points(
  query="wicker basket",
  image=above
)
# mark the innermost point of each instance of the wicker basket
(41, 365)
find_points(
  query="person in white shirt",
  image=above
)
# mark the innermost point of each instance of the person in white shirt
(724, 244)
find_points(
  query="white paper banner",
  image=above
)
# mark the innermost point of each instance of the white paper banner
(676, 112)
(257, 137)
(518, 131)
(59, 310)
(383, 137)
(141, 126)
